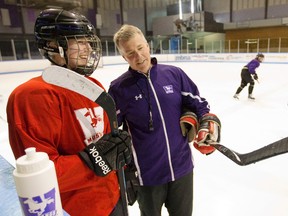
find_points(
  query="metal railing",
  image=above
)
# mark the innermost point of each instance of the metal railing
(26, 49)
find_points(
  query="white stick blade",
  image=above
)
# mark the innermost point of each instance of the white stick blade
(69, 79)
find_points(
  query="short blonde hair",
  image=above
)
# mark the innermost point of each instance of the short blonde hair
(125, 33)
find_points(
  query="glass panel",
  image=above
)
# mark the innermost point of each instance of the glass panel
(6, 50)
(284, 45)
(21, 49)
(34, 52)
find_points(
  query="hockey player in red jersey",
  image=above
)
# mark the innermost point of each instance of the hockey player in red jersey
(67, 125)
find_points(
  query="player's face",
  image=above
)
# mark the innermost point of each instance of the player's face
(78, 52)
(260, 59)
(137, 53)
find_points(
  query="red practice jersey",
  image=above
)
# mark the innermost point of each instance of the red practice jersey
(62, 123)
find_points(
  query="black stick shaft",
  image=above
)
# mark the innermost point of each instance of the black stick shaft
(271, 150)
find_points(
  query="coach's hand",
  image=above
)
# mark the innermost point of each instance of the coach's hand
(209, 132)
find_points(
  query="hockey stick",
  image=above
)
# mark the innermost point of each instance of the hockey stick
(68, 79)
(271, 150)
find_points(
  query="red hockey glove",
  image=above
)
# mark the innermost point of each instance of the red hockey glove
(108, 153)
(210, 127)
(189, 125)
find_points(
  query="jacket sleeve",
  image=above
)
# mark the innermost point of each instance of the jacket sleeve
(191, 97)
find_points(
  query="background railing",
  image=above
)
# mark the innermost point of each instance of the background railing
(26, 49)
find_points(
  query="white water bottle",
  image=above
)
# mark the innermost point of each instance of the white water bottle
(36, 185)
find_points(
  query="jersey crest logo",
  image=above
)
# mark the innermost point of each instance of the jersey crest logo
(91, 122)
(168, 89)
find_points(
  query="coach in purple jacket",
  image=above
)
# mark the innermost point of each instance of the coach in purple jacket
(150, 99)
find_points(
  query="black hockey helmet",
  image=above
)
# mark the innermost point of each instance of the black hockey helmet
(260, 55)
(58, 26)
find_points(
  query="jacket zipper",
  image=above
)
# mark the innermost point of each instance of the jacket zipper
(164, 126)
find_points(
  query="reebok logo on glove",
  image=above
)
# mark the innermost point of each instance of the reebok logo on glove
(108, 153)
(99, 160)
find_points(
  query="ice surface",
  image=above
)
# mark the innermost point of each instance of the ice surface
(221, 187)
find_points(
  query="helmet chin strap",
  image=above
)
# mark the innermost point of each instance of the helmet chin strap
(52, 61)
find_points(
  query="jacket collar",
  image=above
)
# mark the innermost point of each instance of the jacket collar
(153, 62)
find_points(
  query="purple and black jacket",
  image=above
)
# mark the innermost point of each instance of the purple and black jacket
(151, 107)
(252, 65)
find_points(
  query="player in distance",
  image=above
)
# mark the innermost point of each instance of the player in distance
(249, 75)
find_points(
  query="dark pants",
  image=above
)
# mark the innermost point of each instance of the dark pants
(245, 79)
(118, 210)
(177, 197)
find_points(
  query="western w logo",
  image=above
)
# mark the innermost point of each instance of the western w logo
(168, 89)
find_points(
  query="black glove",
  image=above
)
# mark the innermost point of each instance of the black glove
(108, 153)
(255, 76)
(132, 183)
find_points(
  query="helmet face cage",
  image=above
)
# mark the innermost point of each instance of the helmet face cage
(83, 53)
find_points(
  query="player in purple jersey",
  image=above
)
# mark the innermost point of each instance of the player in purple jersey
(248, 75)
(149, 99)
